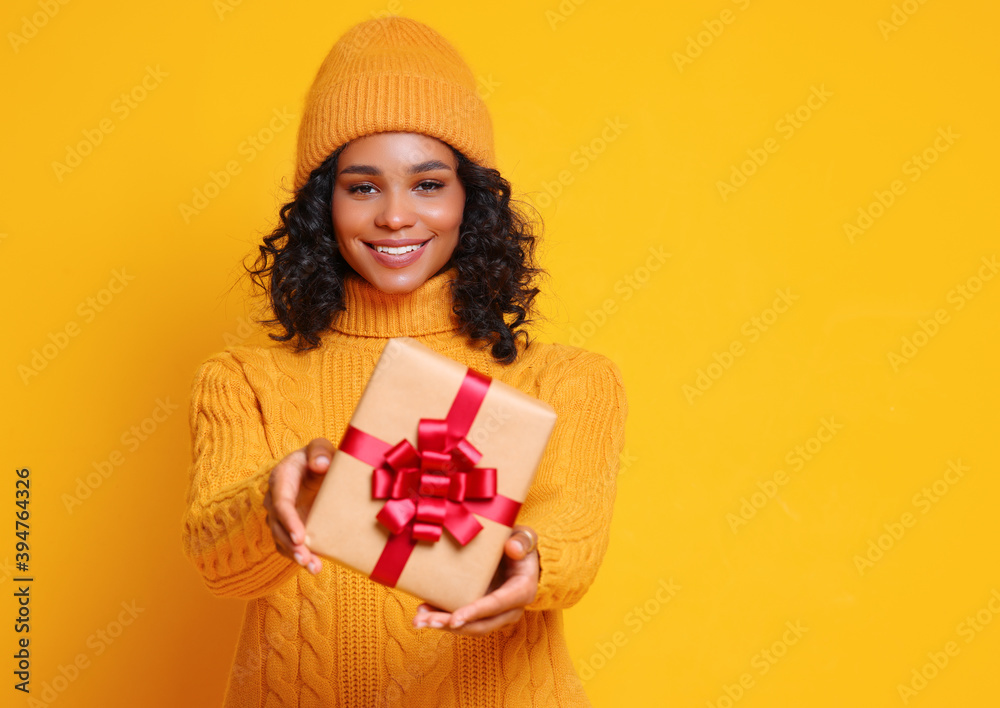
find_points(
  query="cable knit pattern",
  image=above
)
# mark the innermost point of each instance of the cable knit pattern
(338, 638)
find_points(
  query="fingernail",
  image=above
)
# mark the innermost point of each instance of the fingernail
(295, 538)
(298, 559)
(422, 609)
(523, 545)
(322, 461)
(314, 566)
(435, 624)
(455, 624)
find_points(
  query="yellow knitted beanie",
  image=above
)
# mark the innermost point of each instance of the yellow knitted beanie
(392, 74)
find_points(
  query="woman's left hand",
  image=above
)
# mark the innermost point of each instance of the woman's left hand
(514, 587)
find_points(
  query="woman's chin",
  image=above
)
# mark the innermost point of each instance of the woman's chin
(398, 283)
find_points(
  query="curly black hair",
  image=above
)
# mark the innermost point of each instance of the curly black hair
(301, 272)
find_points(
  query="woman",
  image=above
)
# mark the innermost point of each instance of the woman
(400, 226)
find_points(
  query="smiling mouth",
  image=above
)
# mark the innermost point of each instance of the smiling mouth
(397, 250)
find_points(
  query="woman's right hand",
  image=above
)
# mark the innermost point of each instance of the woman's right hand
(292, 488)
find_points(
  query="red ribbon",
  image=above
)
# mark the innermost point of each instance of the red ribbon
(434, 486)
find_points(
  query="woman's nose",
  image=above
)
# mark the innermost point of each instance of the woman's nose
(396, 211)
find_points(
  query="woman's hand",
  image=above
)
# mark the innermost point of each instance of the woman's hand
(514, 586)
(290, 495)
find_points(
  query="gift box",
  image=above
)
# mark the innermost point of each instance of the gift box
(429, 477)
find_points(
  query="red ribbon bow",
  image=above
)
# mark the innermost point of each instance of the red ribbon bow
(433, 486)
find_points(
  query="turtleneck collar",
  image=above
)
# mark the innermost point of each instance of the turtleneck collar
(372, 313)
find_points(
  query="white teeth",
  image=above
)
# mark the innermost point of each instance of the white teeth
(398, 251)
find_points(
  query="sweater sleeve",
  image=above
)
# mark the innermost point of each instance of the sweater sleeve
(571, 500)
(225, 531)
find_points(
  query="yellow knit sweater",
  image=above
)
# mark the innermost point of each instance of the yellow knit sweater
(338, 638)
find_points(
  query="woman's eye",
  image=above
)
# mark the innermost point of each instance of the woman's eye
(366, 188)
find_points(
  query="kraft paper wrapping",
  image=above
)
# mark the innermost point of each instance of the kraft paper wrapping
(411, 382)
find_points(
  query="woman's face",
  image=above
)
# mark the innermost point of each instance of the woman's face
(397, 208)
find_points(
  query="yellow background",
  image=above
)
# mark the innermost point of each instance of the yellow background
(670, 101)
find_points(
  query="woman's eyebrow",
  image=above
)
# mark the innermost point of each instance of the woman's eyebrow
(372, 171)
(428, 166)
